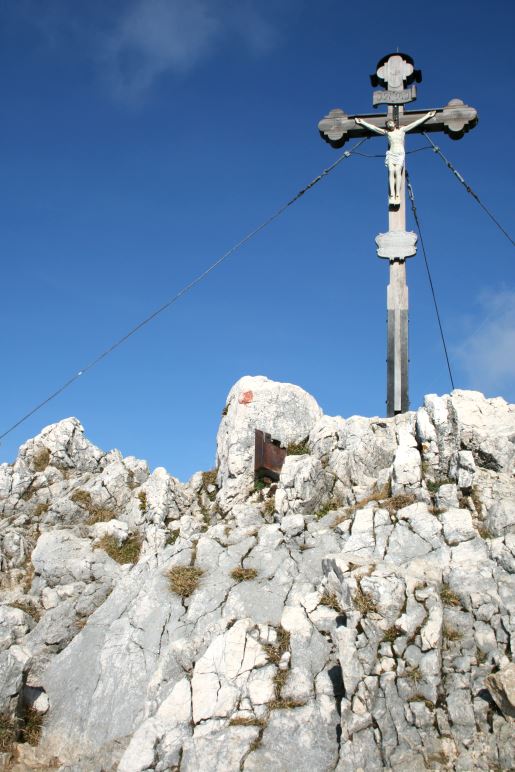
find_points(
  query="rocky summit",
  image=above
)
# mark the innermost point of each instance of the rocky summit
(356, 614)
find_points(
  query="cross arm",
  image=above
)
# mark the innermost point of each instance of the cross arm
(455, 119)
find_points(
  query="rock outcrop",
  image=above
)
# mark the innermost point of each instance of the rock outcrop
(357, 614)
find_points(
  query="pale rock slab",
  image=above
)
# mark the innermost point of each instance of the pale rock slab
(281, 409)
(219, 674)
(303, 486)
(502, 688)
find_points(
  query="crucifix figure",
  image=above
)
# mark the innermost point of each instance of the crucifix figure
(396, 74)
(395, 155)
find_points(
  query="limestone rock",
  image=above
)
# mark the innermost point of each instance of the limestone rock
(502, 689)
(285, 411)
(350, 616)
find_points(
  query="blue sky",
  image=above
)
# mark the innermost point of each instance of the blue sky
(142, 138)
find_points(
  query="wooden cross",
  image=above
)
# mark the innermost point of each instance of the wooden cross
(397, 75)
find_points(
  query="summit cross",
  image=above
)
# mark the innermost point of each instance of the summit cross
(396, 74)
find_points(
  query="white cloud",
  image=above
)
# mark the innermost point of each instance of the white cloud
(135, 42)
(153, 37)
(487, 354)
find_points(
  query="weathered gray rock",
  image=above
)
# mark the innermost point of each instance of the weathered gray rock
(285, 411)
(502, 688)
(360, 638)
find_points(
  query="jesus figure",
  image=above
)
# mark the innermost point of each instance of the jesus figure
(395, 154)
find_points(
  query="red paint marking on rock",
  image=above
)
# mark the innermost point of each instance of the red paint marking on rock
(246, 397)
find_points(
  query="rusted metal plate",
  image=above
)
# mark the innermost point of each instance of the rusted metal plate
(269, 456)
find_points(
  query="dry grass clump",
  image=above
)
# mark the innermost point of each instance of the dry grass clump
(275, 651)
(484, 532)
(328, 507)
(394, 503)
(448, 596)
(269, 506)
(241, 574)
(82, 498)
(23, 729)
(97, 514)
(41, 508)
(247, 721)
(378, 494)
(209, 478)
(391, 635)
(172, 537)
(451, 634)
(184, 580)
(28, 493)
(128, 552)
(285, 704)
(8, 732)
(32, 724)
(41, 459)
(414, 675)
(297, 448)
(363, 602)
(28, 608)
(330, 599)
(476, 501)
(143, 503)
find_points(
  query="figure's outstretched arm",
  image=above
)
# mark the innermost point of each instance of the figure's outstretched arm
(370, 126)
(425, 117)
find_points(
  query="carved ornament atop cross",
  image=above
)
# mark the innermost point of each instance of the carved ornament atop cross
(394, 72)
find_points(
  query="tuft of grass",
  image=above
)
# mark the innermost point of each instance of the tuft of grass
(172, 537)
(82, 498)
(259, 485)
(414, 675)
(363, 602)
(97, 513)
(476, 501)
(128, 552)
(28, 493)
(143, 503)
(275, 651)
(298, 448)
(448, 596)
(32, 724)
(328, 507)
(280, 678)
(285, 704)
(184, 580)
(330, 599)
(247, 721)
(377, 495)
(394, 503)
(420, 698)
(8, 732)
(28, 608)
(451, 634)
(209, 478)
(241, 574)
(269, 506)
(131, 480)
(484, 532)
(41, 459)
(391, 635)
(41, 508)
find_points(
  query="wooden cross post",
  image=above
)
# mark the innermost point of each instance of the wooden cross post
(396, 74)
